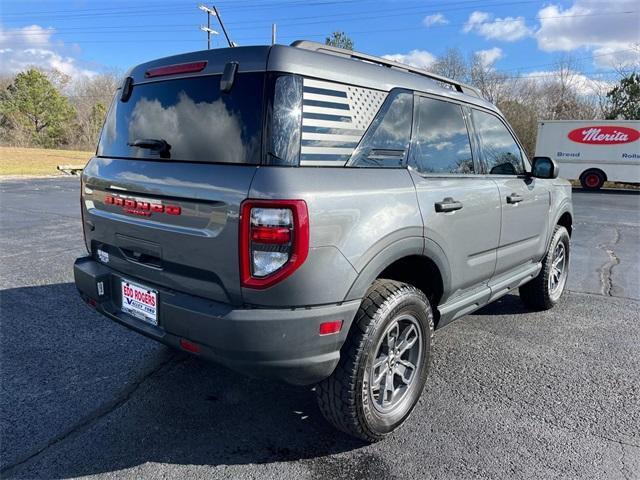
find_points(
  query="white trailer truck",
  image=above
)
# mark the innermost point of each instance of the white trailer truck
(592, 151)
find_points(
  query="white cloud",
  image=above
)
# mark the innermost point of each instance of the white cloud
(416, 58)
(490, 56)
(594, 25)
(622, 55)
(508, 29)
(582, 84)
(436, 19)
(24, 47)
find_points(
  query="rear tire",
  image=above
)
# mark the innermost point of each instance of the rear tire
(592, 179)
(373, 390)
(544, 291)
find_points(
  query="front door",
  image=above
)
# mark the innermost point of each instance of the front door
(524, 201)
(460, 210)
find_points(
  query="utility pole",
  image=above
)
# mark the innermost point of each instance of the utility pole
(208, 28)
(213, 11)
(273, 34)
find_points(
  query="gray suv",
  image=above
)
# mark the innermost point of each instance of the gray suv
(312, 214)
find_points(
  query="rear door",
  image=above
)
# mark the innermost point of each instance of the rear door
(525, 201)
(461, 210)
(175, 161)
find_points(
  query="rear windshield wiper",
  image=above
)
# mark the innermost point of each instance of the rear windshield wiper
(161, 146)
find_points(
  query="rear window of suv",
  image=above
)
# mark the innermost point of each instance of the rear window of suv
(198, 121)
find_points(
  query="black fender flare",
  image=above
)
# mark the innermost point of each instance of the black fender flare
(399, 249)
(565, 207)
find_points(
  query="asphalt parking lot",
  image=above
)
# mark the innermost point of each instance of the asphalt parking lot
(512, 394)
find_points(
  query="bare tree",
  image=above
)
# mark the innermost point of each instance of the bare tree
(626, 68)
(91, 98)
(451, 64)
(524, 121)
(491, 83)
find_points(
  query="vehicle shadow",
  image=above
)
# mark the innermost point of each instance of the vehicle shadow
(87, 396)
(84, 396)
(510, 304)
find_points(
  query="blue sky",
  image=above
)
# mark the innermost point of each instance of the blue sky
(522, 37)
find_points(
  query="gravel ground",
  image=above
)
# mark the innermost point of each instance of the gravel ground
(513, 394)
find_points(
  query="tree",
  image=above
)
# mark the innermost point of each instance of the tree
(35, 110)
(451, 64)
(492, 84)
(340, 40)
(561, 91)
(625, 99)
(524, 121)
(91, 98)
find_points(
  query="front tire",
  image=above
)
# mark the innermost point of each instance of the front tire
(384, 363)
(544, 291)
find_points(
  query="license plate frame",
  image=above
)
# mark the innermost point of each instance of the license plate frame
(139, 301)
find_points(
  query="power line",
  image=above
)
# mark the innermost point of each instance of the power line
(478, 4)
(178, 27)
(173, 5)
(230, 5)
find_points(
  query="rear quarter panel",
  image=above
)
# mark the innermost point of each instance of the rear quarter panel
(354, 214)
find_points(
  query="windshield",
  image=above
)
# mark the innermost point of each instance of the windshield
(188, 119)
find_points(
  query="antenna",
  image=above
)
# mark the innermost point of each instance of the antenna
(213, 11)
(224, 30)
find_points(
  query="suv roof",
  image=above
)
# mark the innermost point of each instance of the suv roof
(450, 83)
(325, 62)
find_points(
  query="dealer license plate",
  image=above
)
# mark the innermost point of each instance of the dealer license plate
(140, 302)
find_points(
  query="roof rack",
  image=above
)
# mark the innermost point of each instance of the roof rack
(341, 52)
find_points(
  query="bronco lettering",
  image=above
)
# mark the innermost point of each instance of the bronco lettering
(137, 207)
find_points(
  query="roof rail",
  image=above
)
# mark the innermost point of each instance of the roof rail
(341, 52)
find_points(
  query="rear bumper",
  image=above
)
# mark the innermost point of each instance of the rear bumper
(283, 344)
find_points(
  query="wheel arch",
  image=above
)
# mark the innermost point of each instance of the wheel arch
(566, 220)
(595, 170)
(416, 261)
(564, 217)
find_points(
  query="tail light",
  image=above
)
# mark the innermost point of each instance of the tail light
(274, 240)
(84, 225)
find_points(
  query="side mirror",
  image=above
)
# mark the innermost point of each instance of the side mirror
(544, 167)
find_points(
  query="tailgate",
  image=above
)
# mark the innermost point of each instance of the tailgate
(172, 224)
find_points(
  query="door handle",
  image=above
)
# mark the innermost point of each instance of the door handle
(448, 205)
(514, 198)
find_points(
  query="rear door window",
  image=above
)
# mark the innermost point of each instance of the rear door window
(500, 152)
(196, 120)
(386, 142)
(441, 139)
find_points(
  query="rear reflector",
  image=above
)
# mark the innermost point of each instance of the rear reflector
(189, 346)
(175, 69)
(270, 234)
(327, 328)
(90, 301)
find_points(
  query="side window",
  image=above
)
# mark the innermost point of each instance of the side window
(500, 152)
(387, 141)
(285, 115)
(441, 140)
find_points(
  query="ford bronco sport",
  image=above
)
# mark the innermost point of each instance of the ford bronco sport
(311, 214)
